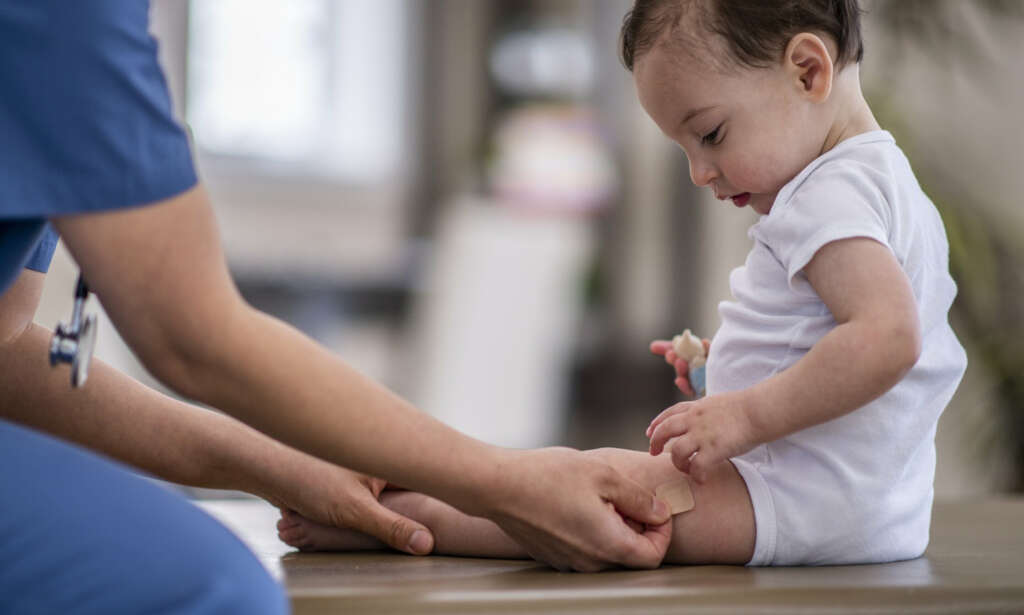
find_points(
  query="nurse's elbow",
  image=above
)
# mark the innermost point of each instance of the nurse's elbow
(171, 362)
(173, 366)
(189, 350)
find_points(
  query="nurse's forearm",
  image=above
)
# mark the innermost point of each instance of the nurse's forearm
(161, 275)
(132, 423)
(288, 383)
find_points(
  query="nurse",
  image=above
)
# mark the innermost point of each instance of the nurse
(89, 150)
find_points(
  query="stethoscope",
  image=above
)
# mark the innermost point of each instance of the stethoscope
(74, 342)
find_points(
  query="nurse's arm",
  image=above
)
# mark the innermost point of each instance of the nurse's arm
(178, 442)
(161, 275)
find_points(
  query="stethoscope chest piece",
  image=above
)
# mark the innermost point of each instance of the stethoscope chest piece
(74, 342)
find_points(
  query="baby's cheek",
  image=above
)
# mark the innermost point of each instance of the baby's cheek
(751, 172)
(767, 170)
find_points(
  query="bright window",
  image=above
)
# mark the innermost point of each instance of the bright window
(304, 87)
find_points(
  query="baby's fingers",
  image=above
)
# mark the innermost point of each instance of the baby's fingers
(672, 427)
(684, 453)
(688, 457)
(682, 380)
(667, 412)
(660, 347)
(683, 384)
(665, 349)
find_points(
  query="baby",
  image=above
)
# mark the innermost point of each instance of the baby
(815, 441)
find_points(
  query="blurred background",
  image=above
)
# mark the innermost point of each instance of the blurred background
(464, 199)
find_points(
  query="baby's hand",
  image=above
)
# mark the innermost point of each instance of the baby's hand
(664, 348)
(707, 432)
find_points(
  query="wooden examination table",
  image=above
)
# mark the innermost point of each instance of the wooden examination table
(975, 564)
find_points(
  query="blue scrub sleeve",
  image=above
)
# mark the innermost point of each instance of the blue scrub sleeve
(85, 119)
(84, 110)
(41, 256)
(24, 243)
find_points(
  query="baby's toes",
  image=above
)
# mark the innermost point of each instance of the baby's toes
(295, 536)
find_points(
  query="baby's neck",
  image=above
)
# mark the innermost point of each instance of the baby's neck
(852, 114)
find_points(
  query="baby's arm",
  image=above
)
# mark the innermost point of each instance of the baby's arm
(718, 530)
(876, 341)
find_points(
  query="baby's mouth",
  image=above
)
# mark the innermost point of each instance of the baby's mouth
(739, 200)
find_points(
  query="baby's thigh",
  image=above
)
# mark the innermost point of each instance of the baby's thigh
(720, 527)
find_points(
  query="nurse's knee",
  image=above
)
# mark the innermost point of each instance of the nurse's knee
(245, 588)
(212, 572)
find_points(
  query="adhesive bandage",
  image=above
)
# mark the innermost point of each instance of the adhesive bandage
(677, 494)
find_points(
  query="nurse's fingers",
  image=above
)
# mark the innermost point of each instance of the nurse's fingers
(647, 548)
(386, 525)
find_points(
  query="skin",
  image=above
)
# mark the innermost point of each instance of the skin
(219, 351)
(715, 531)
(179, 442)
(746, 133)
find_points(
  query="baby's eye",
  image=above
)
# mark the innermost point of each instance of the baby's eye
(711, 137)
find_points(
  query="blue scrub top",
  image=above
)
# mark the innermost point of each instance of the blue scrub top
(85, 121)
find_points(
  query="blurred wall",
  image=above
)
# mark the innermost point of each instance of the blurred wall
(945, 77)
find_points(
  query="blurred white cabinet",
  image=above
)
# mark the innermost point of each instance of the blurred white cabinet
(497, 321)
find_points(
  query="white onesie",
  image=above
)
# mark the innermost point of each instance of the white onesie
(856, 489)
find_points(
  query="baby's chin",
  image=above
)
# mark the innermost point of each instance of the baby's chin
(761, 203)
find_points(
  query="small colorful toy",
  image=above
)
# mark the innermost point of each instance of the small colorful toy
(690, 348)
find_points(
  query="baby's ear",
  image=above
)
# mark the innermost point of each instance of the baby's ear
(809, 62)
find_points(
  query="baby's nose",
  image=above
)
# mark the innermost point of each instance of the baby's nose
(701, 174)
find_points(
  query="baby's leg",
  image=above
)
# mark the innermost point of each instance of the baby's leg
(720, 527)
(455, 533)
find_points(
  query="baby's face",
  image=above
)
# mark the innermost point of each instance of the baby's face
(745, 131)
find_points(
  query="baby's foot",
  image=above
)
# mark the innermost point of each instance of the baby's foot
(297, 531)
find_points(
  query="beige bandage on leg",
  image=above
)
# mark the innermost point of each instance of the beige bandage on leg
(676, 494)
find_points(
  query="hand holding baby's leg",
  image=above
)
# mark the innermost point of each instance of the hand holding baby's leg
(720, 527)
(305, 535)
(455, 533)
(719, 530)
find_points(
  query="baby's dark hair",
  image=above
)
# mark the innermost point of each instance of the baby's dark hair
(756, 31)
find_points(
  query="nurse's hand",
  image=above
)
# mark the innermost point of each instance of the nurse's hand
(333, 495)
(569, 510)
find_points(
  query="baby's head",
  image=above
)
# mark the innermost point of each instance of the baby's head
(752, 91)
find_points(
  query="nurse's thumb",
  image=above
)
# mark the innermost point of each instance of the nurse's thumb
(638, 503)
(399, 532)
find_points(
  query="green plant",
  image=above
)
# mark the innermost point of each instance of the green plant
(986, 254)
